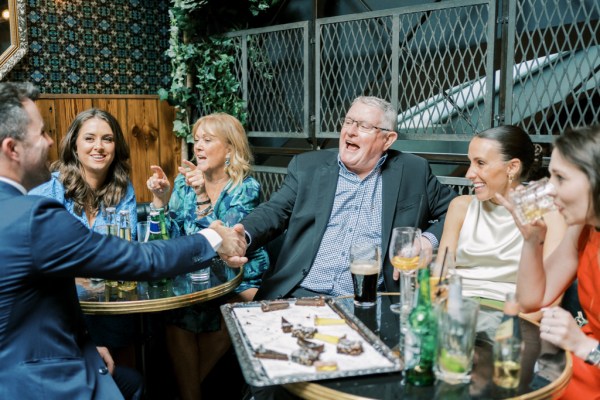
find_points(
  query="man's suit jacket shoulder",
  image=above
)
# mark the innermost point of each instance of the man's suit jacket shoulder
(313, 159)
(396, 156)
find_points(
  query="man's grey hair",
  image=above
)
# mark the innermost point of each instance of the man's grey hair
(390, 115)
(13, 117)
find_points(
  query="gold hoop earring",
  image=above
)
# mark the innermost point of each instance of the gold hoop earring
(510, 178)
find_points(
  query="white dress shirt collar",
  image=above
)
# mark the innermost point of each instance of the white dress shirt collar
(15, 184)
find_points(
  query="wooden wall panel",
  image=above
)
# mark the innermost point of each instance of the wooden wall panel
(142, 126)
(147, 124)
(170, 145)
(47, 110)
(116, 107)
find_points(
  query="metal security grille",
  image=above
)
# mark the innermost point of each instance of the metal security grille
(555, 65)
(431, 62)
(444, 61)
(273, 68)
(354, 58)
(270, 179)
(452, 68)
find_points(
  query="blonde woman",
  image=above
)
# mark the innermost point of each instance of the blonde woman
(216, 187)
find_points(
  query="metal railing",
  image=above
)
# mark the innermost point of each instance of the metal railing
(452, 68)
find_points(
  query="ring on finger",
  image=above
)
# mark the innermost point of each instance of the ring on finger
(547, 329)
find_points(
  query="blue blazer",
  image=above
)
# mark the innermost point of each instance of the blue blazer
(303, 206)
(44, 351)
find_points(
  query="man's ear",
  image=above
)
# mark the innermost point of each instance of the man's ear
(9, 149)
(390, 138)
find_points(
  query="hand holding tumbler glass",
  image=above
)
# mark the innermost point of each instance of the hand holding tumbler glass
(533, 201)
(365, 264)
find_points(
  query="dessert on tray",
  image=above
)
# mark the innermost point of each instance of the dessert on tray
(295, 340)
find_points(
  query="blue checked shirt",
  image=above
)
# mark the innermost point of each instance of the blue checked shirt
(355, 218)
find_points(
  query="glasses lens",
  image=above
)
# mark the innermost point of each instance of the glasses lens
(363, 127)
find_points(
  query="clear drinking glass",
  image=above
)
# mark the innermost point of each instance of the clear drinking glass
(200, 276)
(456, 331)
(143, 231)
(532, 202)
(405, 253)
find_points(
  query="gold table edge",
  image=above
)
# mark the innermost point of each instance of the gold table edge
(153, 305)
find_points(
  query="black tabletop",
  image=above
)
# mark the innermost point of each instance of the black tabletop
(181, 291)
(545, 369)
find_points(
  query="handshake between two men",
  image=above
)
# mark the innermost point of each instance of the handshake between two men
(233, 247)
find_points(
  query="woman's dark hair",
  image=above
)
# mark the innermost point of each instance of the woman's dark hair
(71, 173)
(515, 143)
(581, 147)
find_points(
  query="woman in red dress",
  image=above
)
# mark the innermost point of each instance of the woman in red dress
(575, 174)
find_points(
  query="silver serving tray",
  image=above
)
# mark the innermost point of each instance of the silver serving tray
(252, 367)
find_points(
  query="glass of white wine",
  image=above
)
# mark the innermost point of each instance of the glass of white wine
(405, 253)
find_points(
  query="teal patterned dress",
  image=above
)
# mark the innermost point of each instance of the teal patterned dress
(231, 207)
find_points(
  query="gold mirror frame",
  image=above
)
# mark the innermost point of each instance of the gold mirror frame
(18, 37)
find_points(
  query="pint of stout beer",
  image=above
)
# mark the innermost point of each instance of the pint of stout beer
(365, 263)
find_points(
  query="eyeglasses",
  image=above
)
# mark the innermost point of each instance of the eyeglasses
(363, 127)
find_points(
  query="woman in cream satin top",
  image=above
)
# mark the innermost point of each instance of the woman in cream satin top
(481, 232)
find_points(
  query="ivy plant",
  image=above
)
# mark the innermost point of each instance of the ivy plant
(203, 78)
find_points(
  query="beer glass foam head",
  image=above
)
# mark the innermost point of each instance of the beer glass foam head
(364, 267)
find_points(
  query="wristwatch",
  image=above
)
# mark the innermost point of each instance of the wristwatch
(594, 357)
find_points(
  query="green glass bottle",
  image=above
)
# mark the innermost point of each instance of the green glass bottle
(158, 215)
(157, 230)
(421, 338)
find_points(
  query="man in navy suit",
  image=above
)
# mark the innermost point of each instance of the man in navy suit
(330, 200)
(44, 351)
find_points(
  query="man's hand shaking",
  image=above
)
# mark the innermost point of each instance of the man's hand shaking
(233, 247)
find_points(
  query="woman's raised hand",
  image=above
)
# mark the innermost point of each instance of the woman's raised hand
(194, 177)
(160, 186)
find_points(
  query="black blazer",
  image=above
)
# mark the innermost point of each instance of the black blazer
(304, 203)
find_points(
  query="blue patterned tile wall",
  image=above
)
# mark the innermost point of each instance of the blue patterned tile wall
(96, 46)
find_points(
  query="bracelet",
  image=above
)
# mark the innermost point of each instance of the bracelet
(593, 358)
(201, 203)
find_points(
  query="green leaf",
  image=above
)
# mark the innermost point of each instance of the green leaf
(210, 59)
